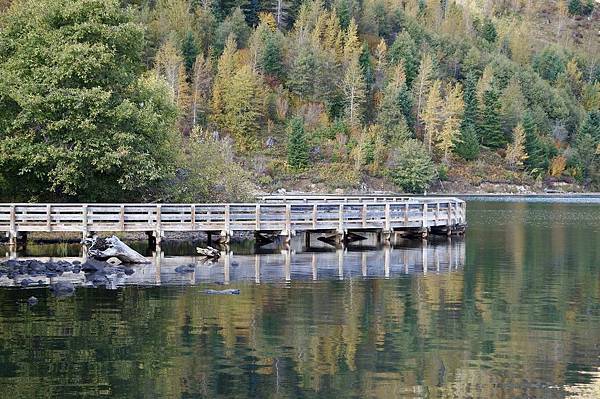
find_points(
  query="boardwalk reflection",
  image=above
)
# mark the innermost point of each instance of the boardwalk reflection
(282, 265)
(291, 263)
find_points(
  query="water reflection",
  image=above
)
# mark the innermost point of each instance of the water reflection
(517, 315)
(274, 264)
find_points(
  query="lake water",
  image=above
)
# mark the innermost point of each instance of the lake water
(510, 310)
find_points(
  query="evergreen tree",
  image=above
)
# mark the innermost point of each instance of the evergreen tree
(297, 148)
(488, 31)
(591, 125)
(271, 61)
(536, 159)
(404, 49)
(468, 148)
(189, 50)
(491, 129)
(471, 103)
(394, 113)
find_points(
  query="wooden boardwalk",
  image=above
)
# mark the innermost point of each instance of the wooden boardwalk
(273, 215)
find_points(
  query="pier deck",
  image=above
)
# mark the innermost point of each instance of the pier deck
(276, 215)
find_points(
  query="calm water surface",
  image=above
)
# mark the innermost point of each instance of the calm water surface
(511, 310)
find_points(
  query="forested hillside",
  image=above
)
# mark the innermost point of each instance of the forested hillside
(190, 100)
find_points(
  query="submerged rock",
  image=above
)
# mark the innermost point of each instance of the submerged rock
(223, 292)
(62, 289)
(32, 301)
(189, 268)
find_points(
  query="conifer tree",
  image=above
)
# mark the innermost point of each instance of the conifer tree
(468, 147)
(513, 105)
(394, 113)
(422, 83)
(471, 103)
(297, 149)
(431, 115)
(404, 49)
(189, 51)
(533, 147)
(354, 91)
(201, 88)
(491, 128)
(352, 45)
(515, 151)
(453, 113)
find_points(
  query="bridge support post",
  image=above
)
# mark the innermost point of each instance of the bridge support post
(225, 237)
(307, 239)
(151, 240)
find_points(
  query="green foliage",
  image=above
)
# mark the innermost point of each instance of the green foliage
(549, 64)
(581, 7)
(297, 146)
(468, 148)
(591, 125)
(488, 31)
(404, 49)
(411, 168)
(271, 60)
(537, 160)
(210, 173)
(189, 50)
(490, 129)
(78, 119)
(471, 112)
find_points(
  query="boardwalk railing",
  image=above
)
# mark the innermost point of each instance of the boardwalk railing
(226, 218)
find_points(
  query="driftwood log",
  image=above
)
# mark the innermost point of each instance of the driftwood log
(209, 252)
(112, 247)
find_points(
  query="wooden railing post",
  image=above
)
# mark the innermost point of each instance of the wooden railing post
(84, 219)
(314, 216)
(425, 216)
(388, 218)
(364, 215)
(122, 218)
(49, 217)
(288, 219)
(227, 219)
(158, 224)
(257, 217)
(12, 230)
(193, 216)
(341, 219)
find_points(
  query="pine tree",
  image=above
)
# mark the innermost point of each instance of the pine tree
(394, 111)
(189, 50)
(225, 71)
(491, 128)
(468, 148)
(453, 113)
(484, 83)
(354, 91)
(404, 49)
(533, 148)
(471, 113)
(513, 105)
(297, 148)
(242, 107)
(422, 83)
(352, 43)
(515, 152)
(432, 115)
(202, 78)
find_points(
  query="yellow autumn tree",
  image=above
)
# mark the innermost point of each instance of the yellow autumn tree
(453, 112)
(515, 151)
(431, 115)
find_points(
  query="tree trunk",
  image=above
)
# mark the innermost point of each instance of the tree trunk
(112, 247)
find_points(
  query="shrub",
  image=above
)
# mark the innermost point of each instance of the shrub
(411, 168)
